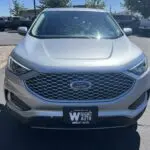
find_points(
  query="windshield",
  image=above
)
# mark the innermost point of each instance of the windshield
(75, 24)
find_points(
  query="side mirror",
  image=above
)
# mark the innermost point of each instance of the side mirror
(128, 31)
(22, 30)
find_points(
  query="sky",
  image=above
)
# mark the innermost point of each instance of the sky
(5, 5)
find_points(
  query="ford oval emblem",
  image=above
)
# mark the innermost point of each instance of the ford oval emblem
(81, 85)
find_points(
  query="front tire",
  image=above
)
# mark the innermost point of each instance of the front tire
(133, 126)
(15, 120)
(2, 29)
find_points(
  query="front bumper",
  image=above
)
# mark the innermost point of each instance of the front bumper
(49, 114)
(45, 122)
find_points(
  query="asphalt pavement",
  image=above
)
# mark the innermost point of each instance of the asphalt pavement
(10, 38)
(14, 138)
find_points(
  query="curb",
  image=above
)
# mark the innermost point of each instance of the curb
(8, 45)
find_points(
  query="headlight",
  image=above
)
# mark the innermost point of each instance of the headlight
(16, 67)
(140, 68)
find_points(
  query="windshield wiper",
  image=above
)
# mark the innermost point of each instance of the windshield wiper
(63, 36)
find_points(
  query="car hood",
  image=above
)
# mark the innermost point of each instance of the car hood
(54, 49)
(59, 53)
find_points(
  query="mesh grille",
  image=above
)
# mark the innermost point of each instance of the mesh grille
(103, 86)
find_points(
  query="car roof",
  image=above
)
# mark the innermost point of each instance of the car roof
(74, 9)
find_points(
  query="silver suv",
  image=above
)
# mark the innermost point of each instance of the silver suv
(76, 69)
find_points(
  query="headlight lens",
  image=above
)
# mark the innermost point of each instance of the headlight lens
(16, 67)
(140, 68)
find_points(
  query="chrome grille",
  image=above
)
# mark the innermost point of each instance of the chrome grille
(56, 86)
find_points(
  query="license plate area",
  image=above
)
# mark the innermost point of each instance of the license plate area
(80, 115)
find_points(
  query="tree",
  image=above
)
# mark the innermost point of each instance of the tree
(140, 6)
(95, 4)
(54, 3)
(17, 8)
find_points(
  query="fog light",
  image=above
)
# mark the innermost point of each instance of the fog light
(10, 97)
(139, 101)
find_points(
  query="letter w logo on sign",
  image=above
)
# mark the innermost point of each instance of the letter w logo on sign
(74, 116)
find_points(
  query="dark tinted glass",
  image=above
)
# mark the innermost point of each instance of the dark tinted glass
(75, 24)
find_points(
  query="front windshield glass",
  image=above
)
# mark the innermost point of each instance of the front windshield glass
(75, 24)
